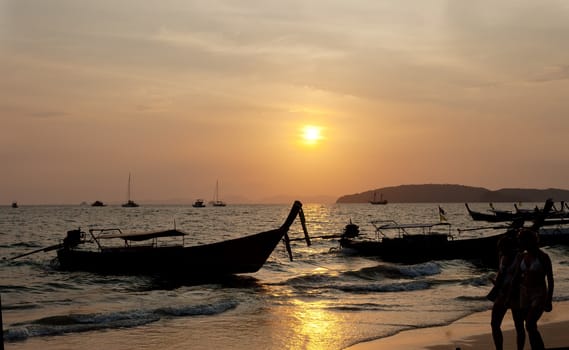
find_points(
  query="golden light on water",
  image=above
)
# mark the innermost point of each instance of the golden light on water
(319, 328)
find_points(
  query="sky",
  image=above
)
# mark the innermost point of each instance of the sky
(184, 93)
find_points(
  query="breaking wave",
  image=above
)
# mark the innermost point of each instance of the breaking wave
(385, 288)
(397, 271)
(74, 323)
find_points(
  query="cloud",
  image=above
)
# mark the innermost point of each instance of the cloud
(48, 114)
(508, 38)
(552, 74)
(23, 112)
(220, 43)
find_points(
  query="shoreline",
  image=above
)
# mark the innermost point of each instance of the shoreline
(473, 332)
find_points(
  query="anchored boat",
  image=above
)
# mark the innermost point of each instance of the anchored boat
(414, 243)
(143, 253)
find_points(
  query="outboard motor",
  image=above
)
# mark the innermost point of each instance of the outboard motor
(73, 238)
(351, 230)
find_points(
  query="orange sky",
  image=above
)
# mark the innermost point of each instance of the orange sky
(182, 93)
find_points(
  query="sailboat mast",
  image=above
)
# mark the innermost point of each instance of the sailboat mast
(129, 203)
(216, 194)
(128, 188)
(216, 201)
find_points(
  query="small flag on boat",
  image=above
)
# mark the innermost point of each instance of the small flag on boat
(442, 214)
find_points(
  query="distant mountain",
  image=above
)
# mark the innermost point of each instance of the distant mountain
(435, 193)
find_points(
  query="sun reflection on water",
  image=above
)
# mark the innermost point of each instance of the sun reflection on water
(315, 327)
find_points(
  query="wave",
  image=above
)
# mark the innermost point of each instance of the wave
(360, 288)
(380, 278)
(420, 270)
(6, 288)
(311, 280)
(23, 245)
(23, 306)
(561, 298)
(364, 307)
(385, 288)
(74, 323)
(198, 310)
(397, 271)
(471, 298)
(477, 281)
(32, 263)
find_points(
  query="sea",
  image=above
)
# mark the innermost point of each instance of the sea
(326, 298)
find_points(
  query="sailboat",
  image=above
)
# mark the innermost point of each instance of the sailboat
(376, 201)
(130, 203)
(216, 201)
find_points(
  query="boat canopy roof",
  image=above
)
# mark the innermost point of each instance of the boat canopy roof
(142, 236)
(404, 226)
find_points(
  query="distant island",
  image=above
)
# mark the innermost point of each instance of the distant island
(443, 193)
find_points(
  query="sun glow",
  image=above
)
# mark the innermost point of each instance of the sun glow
(311, 134)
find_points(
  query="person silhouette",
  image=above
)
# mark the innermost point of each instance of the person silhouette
(536, 285)
(505, 293)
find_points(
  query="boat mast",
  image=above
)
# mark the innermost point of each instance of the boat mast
(216, 194)
(128, 189)
(216, 201)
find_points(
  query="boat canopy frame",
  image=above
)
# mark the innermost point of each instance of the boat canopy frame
(402, 229)
(98, 234)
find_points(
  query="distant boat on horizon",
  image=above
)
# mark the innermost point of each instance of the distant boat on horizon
(98, 204)
(14, 204)
(130, 203)
(199, 203)
(216, 201)
(375, 201)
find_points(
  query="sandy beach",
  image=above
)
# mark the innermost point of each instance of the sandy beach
(473, 332)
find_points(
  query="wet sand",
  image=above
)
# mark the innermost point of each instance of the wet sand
(473, 332)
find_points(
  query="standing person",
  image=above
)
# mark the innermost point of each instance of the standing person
(505, 293)
(536, 285)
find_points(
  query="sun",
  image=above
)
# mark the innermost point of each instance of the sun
(311, 134)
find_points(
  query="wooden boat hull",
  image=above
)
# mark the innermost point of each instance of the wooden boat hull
(241, 255)
(494, 217)
(506, 216)
(421, 248)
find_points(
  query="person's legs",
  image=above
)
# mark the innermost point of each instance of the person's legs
(533, 315)
(519, 315)
(498, 312)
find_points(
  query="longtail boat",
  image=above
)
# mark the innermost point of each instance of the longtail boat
(492, 216)
(235, 256)
(414, 243)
